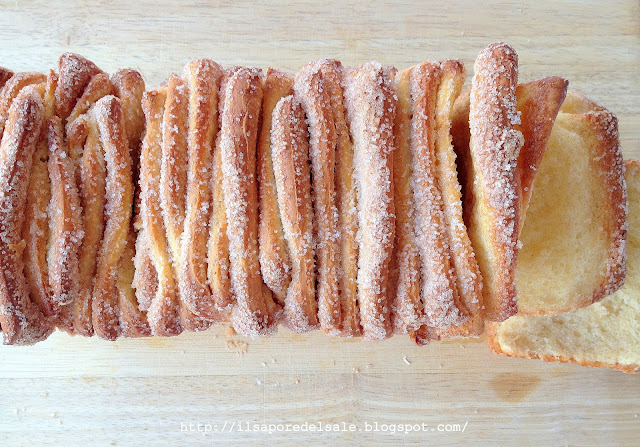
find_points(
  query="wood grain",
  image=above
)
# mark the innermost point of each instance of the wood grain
(73, 391)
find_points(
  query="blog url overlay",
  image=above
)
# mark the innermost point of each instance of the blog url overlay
(234, 426)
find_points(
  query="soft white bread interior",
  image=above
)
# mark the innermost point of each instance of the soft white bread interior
(604, 334)
(572, 249)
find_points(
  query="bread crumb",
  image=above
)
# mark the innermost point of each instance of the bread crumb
(241, 346)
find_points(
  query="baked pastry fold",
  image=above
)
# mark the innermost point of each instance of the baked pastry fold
(255, 312)
(291, 168)
(21, 320)
(429, 210)
(371, 104)
(275, 264)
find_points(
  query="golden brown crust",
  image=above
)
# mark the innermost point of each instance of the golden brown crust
(203, 79)
(174, 181)
(371, 108)
(133, 321)
(154, 281)
(275, 264)
(538, 103)
(494, 148)
(92, 172)
(609, 162)
(5, 75)
(145, 279)
(310, 91)
(254, 313)
(98, 87)
(65, 220)
(492, 340)
(439, 292)
(12, 88)
(407, 309)
(21, 321)
(129, 87)
(198, 209)
(467, 273)
(346, 202)
(460, 136)
(292, 172)
(75, 101)
(175, 161)
(192, 322)
(219, 267)
(118, 210)
(218, 272)
(36, 227)
(75, 73)
(36, 231)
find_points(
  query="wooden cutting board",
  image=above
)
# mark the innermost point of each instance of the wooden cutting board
(72, 391)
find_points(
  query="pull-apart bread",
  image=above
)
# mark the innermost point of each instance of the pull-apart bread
(360, 201)
(604, 334)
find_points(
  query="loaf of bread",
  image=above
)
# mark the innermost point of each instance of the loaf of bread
(361, 201)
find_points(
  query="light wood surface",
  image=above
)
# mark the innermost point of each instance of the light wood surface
(72, 391)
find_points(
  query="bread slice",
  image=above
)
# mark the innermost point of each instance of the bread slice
(500, 131)
(573, 240)
(491, 193)
(520, 197)
(604, 334)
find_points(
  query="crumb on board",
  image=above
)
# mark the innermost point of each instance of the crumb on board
(241, 347)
